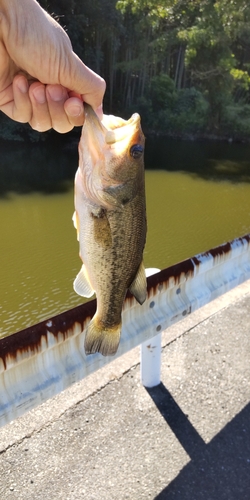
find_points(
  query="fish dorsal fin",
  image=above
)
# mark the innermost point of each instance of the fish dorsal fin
(138, 287)
(82, 284)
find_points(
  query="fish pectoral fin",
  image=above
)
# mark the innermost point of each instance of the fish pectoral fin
(74, 219)
(82, 285)
(102, 339)
(76, 223)
(138, 287)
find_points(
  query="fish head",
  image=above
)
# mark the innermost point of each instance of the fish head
(111, 158)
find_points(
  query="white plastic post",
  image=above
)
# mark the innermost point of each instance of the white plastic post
(151, 362)
(151, 355)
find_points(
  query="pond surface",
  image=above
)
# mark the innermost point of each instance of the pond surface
(198, 196)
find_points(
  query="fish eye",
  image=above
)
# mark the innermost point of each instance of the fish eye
(136, 151)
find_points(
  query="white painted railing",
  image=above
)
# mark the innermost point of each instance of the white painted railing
(43, 360)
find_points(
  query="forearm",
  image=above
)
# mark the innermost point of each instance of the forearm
(10, 7)
(26, 20)
(12, 10)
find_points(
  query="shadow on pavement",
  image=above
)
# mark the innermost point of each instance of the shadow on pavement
(219, 470)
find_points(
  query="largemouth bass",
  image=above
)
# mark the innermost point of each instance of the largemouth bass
(110, 218)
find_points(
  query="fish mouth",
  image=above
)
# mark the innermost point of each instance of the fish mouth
(118, 129)
(113, 128)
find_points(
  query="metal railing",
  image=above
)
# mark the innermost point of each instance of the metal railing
(42, 360)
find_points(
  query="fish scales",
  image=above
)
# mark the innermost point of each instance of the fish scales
(110, 218)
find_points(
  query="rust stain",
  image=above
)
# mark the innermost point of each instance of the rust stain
(30, 340)
(222, 250)
(187, 267)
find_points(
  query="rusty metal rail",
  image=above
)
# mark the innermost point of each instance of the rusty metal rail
(44, 359)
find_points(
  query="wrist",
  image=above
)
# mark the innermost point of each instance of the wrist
(18, 18)
(6, 6)
(9, 9)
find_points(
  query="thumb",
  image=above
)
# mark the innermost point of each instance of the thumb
(82, 80)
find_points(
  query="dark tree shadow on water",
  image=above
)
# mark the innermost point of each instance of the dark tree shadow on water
(49, 166)
(210, 160)
(219, 470)
(46, 167)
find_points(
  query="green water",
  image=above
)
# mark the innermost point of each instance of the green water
(190, 209)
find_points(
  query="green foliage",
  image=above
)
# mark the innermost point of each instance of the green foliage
(241, 77)
(177, 112)
(191, 111)
(162, 92)
(236, 120)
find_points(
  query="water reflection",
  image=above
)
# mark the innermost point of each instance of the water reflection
(46, 167)
(217, 161)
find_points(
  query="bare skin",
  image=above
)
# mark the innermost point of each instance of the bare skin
(42, 81)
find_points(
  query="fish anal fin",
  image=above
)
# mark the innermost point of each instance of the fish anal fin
(138, 287)
(82, 285)
(102, 339)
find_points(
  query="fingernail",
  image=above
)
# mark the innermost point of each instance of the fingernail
(23, 86)
(74, 110)
(39, 94)
(99, 112)
(56, 93)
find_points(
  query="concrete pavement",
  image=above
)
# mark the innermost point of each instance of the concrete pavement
(110, 438)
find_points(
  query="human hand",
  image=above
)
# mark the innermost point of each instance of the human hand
(42, 81)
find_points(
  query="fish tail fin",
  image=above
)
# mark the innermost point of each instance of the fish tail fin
(102, 339)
